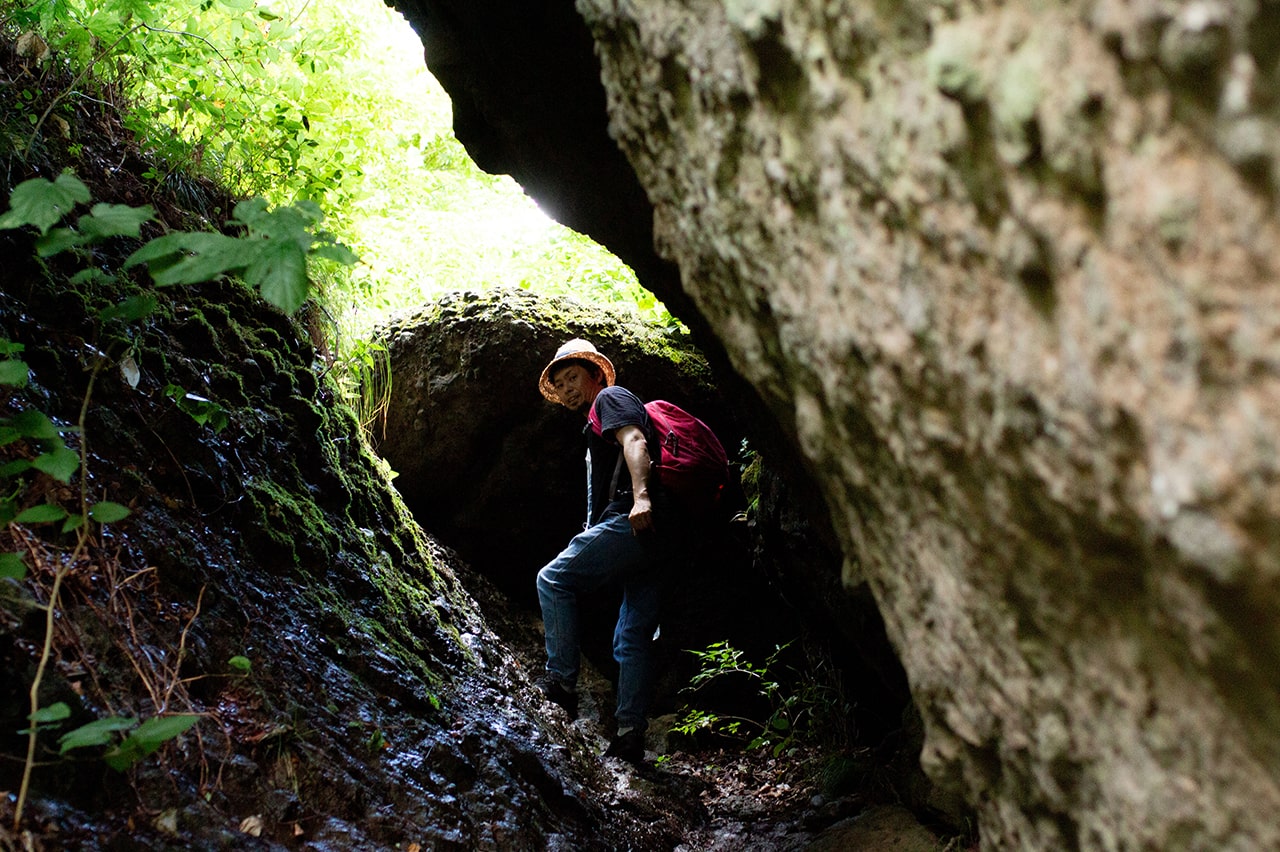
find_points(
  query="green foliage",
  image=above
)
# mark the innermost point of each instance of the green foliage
(13, 372)
(331, 104)
(272, 256)
(102, 222)
(53, 458)
(204, 411)
(97, 733)
(148, 737)
(363, 376)
(241, 665)
(12, 566)
(106, 512)
(806, 705)
(47, 717)
(43, 203)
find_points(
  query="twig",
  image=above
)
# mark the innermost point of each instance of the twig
(174, 679)
(64, 566)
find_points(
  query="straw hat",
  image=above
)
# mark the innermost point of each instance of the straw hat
(577, 350)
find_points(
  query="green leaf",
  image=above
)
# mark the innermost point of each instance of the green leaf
(14, 468)
(252, 213)
(8, 347)
(42, 514)
(14, 373)
(240, 664)
(12, 566)
(8, 510)
(53, 713)
(150, 735)
(61, 463)
(130, 309)
(336, 252)
(107, 512)
(115, 220)
(43, 203)
(57, 241)
(280, 272)
(95, 733)
(34, 424)
(72, 523)
(191, 258)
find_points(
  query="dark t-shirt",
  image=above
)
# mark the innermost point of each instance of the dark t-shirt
(616, 407)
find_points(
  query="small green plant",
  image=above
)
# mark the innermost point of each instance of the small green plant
(803, 705)
(362, 372)
(61, 464)
(271, 256)
(203, 411)
(145, 740)
(240, 665)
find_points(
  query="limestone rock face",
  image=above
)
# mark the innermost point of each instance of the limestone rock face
(1006, 274)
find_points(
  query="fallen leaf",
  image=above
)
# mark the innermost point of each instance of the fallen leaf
(31, 46)
(297, 830)
(413, 847)
(129, 370)
(61, 123)
(252, 826)
(167, 822)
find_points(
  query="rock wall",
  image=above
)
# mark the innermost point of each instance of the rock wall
(1005, 274)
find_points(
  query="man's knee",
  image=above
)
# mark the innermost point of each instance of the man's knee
(546, 578)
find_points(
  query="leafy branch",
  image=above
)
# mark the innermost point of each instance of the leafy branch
(272, 256)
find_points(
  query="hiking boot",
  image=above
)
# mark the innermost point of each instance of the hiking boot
(628, 746)
(557, 693)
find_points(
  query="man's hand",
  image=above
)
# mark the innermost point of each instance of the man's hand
(641, 516)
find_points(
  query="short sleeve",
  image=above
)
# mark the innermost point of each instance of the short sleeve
(618, 407)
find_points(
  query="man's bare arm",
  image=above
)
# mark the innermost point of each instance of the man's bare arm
(635, 450)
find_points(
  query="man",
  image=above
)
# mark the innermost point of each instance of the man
(618, 542)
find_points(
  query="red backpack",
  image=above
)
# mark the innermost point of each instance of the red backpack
(693, 466)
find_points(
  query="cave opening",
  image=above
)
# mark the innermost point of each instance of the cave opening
(528, 102)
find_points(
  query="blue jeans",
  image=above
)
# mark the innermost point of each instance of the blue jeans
(599, 555)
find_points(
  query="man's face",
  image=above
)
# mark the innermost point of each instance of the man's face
(576, 386)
